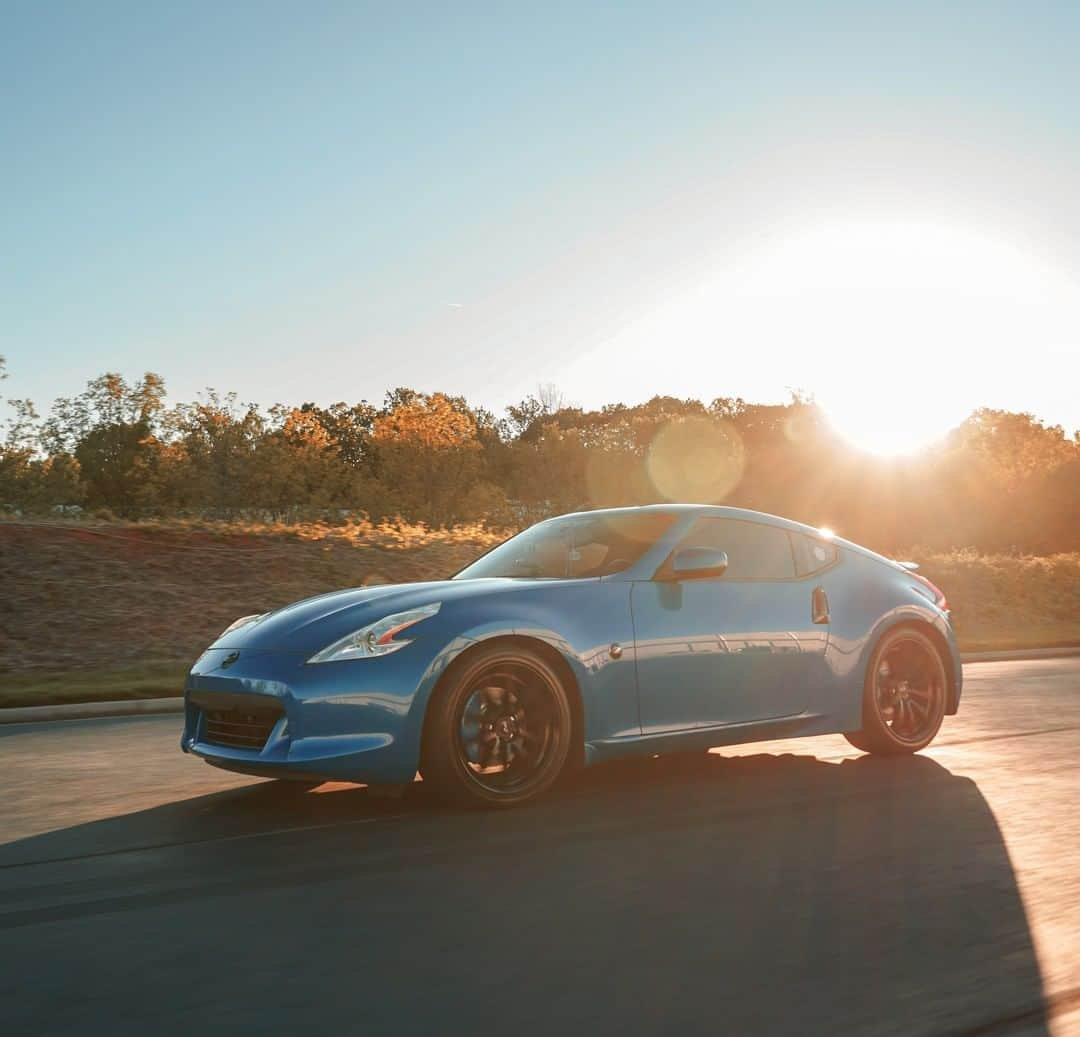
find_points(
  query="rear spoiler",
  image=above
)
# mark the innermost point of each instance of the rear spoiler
(910, 566)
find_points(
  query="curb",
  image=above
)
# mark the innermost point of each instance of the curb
(1020, 653)
(89, 710)
(149, 707)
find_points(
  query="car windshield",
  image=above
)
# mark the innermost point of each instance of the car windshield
(576, 547)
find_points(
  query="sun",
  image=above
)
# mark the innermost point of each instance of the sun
(898, 327)
(914, 323)
(866, 425)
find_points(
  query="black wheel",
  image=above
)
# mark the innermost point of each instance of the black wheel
(498, 732)
(904, 696)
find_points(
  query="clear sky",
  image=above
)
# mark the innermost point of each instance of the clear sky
(322, 201)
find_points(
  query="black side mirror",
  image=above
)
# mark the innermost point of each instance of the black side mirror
(698, 563)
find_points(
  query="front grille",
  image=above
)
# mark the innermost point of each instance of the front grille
(239, 728)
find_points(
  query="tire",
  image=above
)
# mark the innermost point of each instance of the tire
(856, 739)
(903, 696)
(498, 732)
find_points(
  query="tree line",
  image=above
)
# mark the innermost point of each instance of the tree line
(1000, 481)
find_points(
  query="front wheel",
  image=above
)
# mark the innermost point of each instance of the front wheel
(498, 732)
(904, 696)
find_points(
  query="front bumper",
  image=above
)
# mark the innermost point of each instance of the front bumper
(275, 715)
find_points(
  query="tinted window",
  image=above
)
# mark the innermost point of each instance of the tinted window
(574, 547)
(811, 554)
(755, 551)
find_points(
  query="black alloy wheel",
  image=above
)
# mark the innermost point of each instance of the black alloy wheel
(499, 732)
(905, 693)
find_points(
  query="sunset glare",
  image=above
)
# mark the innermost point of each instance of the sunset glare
(899, 328)
(908, 316)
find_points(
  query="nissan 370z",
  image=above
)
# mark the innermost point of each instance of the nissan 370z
(584, 638)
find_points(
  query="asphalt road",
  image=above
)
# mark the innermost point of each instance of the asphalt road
(787, 887)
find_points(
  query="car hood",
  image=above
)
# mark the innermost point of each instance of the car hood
(314, 623)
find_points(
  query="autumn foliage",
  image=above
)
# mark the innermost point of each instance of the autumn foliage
(1002, 482)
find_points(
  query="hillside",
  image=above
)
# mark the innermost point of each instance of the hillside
(97, 610)
(133, 603)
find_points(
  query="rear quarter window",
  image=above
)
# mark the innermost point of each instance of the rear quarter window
(812, 555)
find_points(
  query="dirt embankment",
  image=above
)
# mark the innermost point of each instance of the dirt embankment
(90, 611)
(79, 597)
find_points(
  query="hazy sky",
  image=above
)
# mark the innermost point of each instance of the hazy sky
(873, 202)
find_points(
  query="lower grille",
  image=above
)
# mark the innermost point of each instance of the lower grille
(239, 728)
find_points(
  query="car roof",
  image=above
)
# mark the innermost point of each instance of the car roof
(746, 514)
(715, 510)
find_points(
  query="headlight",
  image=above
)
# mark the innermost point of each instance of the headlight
(243, 621)
(376, 638)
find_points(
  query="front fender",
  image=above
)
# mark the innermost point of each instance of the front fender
(480, 634)
(582, 637)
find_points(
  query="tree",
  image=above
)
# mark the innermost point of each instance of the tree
(27, 479)
(215, 440)
(999, 481)
(109, 429)
(349, 428)
(427, 454)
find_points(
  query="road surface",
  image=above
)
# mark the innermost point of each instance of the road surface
(788, 887)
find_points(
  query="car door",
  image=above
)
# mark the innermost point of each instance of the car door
(736, 648)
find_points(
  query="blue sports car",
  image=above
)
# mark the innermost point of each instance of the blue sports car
(583, 638)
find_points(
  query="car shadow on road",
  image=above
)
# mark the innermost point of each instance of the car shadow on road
(767, 890)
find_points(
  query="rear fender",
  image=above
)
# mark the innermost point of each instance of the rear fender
(940, 631)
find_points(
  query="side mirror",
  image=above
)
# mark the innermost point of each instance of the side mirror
(698, 563)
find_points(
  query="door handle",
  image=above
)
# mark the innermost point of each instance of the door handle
(819, 606)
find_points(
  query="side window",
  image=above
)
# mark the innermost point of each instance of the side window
(755, 551)
(811, 555)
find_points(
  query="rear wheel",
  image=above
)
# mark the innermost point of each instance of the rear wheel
(857, 740)
(904, 696)
(498, 733)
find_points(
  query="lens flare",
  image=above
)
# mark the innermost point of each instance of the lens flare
(696, 460)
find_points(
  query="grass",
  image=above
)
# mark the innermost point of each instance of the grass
(97, 611)
(160, 680)
(1008, 601)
